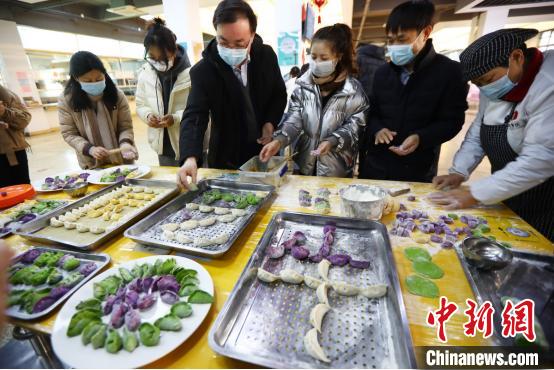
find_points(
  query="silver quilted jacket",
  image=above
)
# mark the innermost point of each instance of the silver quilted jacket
(341, 122)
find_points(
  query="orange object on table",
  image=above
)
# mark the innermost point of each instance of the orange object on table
(15, 194)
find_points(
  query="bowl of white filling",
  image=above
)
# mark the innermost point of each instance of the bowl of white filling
(363, 201)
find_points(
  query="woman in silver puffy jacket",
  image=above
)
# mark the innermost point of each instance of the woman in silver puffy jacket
(327, 109)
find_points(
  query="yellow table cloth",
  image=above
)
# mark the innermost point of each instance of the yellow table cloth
(225, 271)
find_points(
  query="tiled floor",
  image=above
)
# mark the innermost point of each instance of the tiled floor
(51, 155)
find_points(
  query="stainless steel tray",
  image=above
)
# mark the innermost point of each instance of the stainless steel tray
(527, 276)
(265, 324)
(147, 231)
(100, 259)
(29, 230)
(63, 203)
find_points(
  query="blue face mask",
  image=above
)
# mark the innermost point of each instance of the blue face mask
(94, 88)
(400, 54)
(232, 57)
(497, 89)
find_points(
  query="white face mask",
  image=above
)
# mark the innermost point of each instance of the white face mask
(322, 69)
(161, 66)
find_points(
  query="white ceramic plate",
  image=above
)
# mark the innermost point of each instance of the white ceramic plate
(37, 184)
(97, 175)
(74, 354)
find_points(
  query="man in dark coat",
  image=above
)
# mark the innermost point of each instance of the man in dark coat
(418, 101)
(370, 58)
(238, 84)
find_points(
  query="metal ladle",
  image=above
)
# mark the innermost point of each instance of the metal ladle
(486, 254)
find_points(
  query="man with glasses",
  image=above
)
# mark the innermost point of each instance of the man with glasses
(419, 100)
(238, 84)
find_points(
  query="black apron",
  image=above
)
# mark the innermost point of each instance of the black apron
(535, 205)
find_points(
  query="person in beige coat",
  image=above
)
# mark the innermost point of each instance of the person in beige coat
(14, 117)
(162, 91)
(94, 115)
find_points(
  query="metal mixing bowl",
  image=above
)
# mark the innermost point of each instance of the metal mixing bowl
(367, 210)
(76, 190)
(486, 254)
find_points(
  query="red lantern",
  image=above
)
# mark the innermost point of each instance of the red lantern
(319, 4)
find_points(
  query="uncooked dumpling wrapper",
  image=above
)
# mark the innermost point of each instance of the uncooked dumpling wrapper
(311, 344)
(312, 282)
(428, 269)
(267, 276)
(421, 286)
(416, 253)
(290, 276)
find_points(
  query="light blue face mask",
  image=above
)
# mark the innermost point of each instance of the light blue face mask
(400, 55)
(497, 89)
(232, 57)
(94, 88)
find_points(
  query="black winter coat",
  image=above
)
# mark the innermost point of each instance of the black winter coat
(369, 58)
(432, 104)
(216, 93)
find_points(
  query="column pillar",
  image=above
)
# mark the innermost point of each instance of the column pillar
(183, 18)
(489, 21)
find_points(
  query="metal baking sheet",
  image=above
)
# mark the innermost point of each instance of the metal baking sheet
(527, 276)
(100, 259)
(72, 239)
(63, 203)
(148, 231)
(265, 323)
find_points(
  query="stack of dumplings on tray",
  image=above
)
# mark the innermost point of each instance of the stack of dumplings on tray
(108, 207)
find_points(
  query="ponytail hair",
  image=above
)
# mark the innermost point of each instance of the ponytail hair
(157, 34)
(339, 36)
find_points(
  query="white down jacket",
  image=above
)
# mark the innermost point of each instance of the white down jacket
(149, 99)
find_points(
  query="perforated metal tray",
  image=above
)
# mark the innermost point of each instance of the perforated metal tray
(18, 224)
(527, 276)
(100, 259)
(32, 229)
(148, 231)
(265, 323)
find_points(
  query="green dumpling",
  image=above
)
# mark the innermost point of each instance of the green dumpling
(428, 269)
(418, 285)
(416, 253)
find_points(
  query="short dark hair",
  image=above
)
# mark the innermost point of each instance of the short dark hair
(294, 71)
(414, 14)
(80, 63)
(340, 37)
(157, 34)
(229, 11)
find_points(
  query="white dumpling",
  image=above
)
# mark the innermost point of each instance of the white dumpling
(221, 239)
(82, 228)
(126, 188)
(373, 291)
(290, 276)
(182, 238)
(266, 276)
(77, 212)
(311, 344)
(70, 217)
(238, 212)
(205, 209)
(148, 191)
(192, 206)
(168, 235)
(323, 269)
(69, 225)
(207, 222)
(97, 230)
(221, 211)
(188, 225)
(316, 315)
(203, 242)
(344, 288)
(170, 227)
(138, 189)
(321, 293)
(55, 222)
(227, 218)
(312, 282)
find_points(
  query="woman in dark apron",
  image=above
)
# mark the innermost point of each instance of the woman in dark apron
(514, 128)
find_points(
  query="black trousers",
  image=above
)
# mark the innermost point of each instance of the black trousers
(14, 175)
(168, 156)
